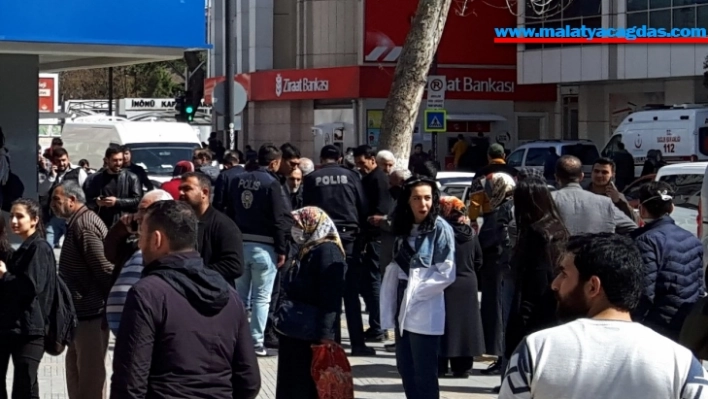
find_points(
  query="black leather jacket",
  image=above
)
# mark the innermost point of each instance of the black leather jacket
(129, 194)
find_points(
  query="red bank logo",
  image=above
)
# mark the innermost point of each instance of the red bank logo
(383, 49)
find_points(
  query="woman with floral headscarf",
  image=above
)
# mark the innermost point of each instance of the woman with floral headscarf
(312, 298)
(464, 337)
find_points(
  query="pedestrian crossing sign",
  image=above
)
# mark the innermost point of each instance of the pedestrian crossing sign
(435, 120)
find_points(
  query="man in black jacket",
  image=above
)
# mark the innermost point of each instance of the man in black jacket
(184, 332)
(113, 191)
(220, 242)
(255, 201)
(376, 189)
(136, 169)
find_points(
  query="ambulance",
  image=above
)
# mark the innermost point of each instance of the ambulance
(679, 132)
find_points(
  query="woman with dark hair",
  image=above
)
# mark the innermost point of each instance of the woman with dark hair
(464, 337)
(412, 290)
(673, 263)
(27, 284)
(541, 236)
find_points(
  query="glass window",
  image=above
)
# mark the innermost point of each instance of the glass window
(611, 146)
(687, 189)
(455, 191)
(654, 4)
(537, 156)
(538, 25)
(587, 153)
(594, 22)
(679, 3)
(703, 140)
(660, 19)
(637, 19)
(684, 17)
(161, 158)
(516, 158)
(582, 8)
(702, 17)
(637, 5)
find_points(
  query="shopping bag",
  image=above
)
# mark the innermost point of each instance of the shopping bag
(332, 372)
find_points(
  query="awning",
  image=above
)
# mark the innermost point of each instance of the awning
(476, 117)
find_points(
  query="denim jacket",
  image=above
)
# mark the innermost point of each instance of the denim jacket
(422, 310)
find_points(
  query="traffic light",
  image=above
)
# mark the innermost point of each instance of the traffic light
(189, 109)
(184, 105)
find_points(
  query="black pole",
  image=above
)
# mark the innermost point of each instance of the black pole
(230, 67)
(110, 91)
(434, 135)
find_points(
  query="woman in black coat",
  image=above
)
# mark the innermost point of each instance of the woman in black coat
(541, 236)
(464, 337)
(27, 284)
(310, 302)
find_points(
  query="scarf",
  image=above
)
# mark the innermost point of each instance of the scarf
(317, 227)
(453, 210)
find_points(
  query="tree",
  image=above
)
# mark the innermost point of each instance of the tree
(148, 80)
(411, 77)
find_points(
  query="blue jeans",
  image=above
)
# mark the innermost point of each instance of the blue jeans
(256, 284)
(56, 228)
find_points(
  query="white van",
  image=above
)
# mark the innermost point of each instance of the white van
(156, 146)
(680, 132)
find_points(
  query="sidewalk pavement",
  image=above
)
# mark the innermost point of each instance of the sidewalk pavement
(374, 377)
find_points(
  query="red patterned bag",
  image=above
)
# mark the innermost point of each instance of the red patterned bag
(332, 372)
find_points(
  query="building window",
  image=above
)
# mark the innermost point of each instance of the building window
(668, 14)
(576, 14)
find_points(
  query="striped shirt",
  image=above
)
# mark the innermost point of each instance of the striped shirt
(83, 265)
(129, 275)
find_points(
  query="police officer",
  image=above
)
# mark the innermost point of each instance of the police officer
(337, 190)
(256, 204)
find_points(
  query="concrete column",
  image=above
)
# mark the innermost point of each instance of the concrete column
(216, 54)
(19, 115)
(260, 43)
(242, 39)
(593, 120)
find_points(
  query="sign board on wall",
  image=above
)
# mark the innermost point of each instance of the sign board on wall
(373, 127)
(48, 92)
(466, 40)
(152, 104)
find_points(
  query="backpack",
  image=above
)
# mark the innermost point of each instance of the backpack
(61, 321)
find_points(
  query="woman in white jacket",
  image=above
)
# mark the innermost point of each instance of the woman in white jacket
(412, 291)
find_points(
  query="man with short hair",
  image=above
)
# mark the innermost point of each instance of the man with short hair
(184, 332)
(375, 182)
(602, 183)
(386, 161)
(137, 170)
(219, 242)
(307, 166)
(203, 163)
(88, 275)
(582, 211)
(62, 169)
(294, 185)
(602, 354)
(290, 160)
(114, 191)
(255, 202)
(121, 249)
(624, 162)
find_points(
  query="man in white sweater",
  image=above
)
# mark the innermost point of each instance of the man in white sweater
(602, 354)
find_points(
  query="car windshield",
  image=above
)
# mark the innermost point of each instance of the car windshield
(687, 189)
(586, 152)
(160, 158)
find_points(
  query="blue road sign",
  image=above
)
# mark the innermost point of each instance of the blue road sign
(435, 120)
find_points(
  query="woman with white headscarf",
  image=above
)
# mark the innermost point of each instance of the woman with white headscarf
(496, 249)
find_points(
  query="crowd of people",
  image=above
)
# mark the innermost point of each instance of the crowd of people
(220, 265)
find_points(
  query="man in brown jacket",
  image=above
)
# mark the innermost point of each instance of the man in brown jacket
(87, 274)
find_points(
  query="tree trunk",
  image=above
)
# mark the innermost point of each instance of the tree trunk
(411, 77)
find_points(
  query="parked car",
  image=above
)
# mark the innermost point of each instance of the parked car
(534, 153)
(455, 184)
(687, 180)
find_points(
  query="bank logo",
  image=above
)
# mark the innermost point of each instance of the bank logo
(278, 85)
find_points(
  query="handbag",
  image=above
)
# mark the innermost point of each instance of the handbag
(331, 372)
(296, 320)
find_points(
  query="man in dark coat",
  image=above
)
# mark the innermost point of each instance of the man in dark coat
(220, 241)
(184, 331)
